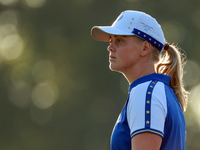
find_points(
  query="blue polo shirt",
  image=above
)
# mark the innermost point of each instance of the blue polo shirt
(151, 107)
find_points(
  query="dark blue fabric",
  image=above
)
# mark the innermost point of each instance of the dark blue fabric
(121, 139)
(174, 130)
(148, 38)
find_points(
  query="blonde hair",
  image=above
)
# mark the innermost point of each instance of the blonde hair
(171, 63)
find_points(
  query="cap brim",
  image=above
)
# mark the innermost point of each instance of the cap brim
(102, 33)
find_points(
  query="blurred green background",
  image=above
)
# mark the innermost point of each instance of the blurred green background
(57, 92)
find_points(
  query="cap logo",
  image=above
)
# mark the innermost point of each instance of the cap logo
(146, 27)
(120, 18)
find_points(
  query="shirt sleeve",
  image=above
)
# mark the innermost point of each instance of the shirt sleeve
(147, 108)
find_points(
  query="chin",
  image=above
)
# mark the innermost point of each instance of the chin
(114, 68)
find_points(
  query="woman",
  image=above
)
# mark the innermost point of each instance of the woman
(152, 118)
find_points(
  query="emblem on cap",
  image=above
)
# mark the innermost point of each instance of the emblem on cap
(146, 27)
(120, 18)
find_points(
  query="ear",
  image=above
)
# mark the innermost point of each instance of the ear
(146, 49)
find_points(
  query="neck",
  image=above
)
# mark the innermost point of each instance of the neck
(139, 71)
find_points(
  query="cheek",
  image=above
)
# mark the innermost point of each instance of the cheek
(127, 55)
(130, 58)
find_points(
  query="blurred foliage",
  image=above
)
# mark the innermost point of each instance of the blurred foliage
(56, 89)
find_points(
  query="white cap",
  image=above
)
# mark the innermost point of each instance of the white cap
(132, 23)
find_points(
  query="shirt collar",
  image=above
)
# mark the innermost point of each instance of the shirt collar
(155, 76)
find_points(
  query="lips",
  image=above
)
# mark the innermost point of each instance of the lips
(111, 57)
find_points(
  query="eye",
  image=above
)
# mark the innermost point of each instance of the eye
(119, 40)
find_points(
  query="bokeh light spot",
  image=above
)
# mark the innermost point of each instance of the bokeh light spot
(44, 95)
(192, 73)
(35, 3)
(7, 29)
(8, 17)
(11, 46)
(8, 2)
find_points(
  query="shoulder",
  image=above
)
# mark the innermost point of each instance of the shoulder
(137, 98)
(140, 92)
(147, 101)
(159, 93)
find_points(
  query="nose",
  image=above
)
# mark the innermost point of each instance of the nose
(110, 48)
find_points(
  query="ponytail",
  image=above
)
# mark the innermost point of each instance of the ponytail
(171, 63)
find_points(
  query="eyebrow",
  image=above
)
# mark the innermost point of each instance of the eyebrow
(120, 35)
(117, 36)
